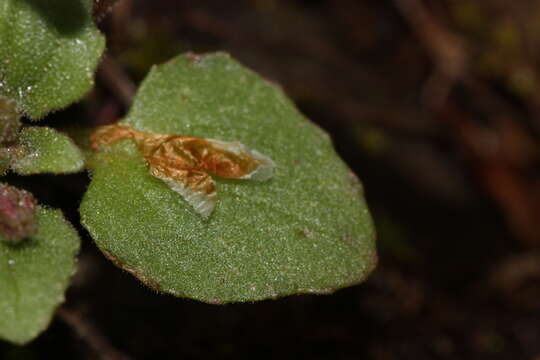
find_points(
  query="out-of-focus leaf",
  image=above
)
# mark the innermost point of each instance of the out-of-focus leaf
(34, 275)
(307, 230)
(45, 150)
(49, 51)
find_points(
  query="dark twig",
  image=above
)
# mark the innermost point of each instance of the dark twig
(96, 341)
(497, 172)
(102, 7)
(114, 77)
(445, 48)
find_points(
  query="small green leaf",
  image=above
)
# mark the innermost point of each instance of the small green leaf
(45, 150)
(34, 276)
(307, 230)
(49, 51)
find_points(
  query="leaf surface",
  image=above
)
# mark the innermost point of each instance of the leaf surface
(307, 230)
(34, 276)
(45, 150)
(49, 51)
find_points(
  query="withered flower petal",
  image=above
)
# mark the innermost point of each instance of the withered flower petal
(185, 163)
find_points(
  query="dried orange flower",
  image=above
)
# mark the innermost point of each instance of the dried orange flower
(186, 162)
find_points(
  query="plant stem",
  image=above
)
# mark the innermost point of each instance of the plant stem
(86, 331)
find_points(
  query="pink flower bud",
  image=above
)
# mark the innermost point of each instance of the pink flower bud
(17, 210)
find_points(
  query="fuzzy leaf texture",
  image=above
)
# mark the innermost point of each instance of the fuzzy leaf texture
(34, 275)
(45, 150)
(49, 50)
(306, 230)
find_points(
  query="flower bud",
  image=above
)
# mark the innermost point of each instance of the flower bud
(17, 214)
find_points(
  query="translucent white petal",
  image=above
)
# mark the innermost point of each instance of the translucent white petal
(202, 202)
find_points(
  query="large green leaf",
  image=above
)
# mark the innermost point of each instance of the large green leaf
(45, 150)
(48, 52)
(34, 275)
(307, 230)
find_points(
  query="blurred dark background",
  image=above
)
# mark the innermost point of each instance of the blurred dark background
(434, 104)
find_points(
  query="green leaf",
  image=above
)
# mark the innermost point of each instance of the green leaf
(45, 150)
(307, 230)
(34, 276)
(49, 51)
